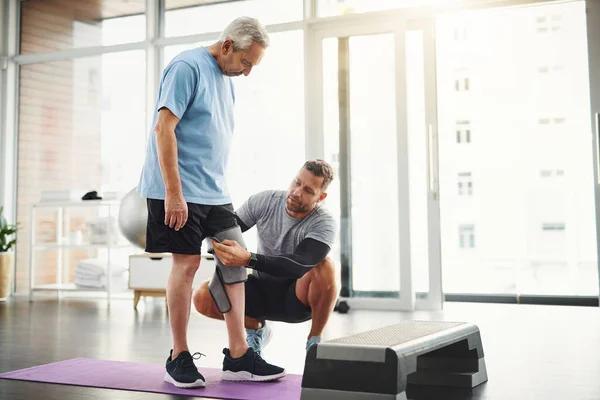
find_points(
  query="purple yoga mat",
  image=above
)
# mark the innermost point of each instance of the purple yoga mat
(146, 377)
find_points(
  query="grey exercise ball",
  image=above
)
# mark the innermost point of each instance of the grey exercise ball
(133, 216)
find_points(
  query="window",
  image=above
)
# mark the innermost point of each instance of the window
(546, 70)
(466, 234)
(463, 131)
(465, 184)
(461, 81)
(551, 121)
(82, 127)
(548, 173)
(187, 17)
(461, 84)
(53, 25)
(553, 227)
(549, 23)
(529, 105)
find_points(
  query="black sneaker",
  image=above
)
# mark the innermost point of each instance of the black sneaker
(182, 371)
(249, 367)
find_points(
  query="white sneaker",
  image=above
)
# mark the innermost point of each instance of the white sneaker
(258, 339)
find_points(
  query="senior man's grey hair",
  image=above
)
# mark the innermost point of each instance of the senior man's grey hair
(243, 31)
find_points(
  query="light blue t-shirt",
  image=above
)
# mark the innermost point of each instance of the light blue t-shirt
(194, 88)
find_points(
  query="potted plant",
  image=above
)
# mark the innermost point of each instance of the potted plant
(7, 242)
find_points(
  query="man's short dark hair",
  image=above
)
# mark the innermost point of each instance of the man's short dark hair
(322, 169)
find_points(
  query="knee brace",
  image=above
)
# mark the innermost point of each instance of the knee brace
(225, 275)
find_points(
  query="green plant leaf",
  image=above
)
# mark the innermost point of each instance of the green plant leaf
(6, 233)
(11, 244)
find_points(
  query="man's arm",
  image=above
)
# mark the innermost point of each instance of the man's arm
(177, 90)
(166, 144)
(308, 254)
(176, 212)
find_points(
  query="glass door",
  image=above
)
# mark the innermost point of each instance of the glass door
(375, 103)
(422, 156)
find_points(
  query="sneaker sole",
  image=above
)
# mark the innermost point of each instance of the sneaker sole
(247, 376)
(198, 383)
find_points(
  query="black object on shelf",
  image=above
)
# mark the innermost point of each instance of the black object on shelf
(93, 195)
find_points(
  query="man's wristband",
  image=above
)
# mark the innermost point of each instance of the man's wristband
(253, 260)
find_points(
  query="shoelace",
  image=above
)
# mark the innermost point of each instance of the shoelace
(256, 358)
(259, 359)
(189, 362)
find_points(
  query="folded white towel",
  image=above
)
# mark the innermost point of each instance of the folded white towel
(94, 283)
(100, 283)
(90, 275)
(98, 267)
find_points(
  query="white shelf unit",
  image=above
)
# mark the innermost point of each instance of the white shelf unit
(60, 247)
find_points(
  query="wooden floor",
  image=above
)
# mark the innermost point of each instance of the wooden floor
(532, 352)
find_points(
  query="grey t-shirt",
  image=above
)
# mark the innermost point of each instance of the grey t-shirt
(278, 232)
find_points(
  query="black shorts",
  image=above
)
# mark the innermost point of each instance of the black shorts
(203, 221)
(274, 301)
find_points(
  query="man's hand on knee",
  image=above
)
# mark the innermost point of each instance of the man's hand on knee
(228, 247)
(231, 253)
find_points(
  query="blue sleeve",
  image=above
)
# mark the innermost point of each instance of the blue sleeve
(178, 88)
